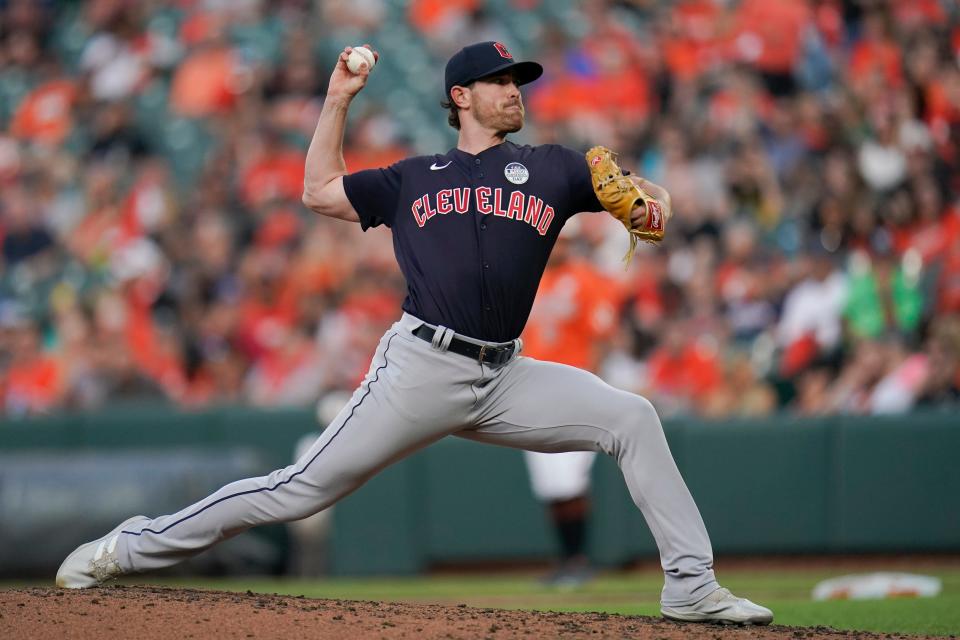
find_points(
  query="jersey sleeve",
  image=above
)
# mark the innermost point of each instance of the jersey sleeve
(582, 197)
(374, 194)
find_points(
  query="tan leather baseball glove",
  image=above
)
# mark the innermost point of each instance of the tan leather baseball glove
(620, 195)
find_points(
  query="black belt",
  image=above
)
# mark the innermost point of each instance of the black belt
(492, 355)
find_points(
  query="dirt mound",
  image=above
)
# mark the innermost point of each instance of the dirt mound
(162, 613)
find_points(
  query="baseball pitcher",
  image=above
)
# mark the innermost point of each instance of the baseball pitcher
(472, 229)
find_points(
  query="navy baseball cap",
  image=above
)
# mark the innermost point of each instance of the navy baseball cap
(485, 59)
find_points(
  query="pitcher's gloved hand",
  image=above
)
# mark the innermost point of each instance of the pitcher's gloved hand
(641, 206)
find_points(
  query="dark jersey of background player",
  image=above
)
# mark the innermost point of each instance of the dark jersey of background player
(472, 233)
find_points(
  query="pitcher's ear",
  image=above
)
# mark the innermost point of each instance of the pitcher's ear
(460, 96)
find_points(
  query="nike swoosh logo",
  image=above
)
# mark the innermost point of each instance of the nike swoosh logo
(434, 166)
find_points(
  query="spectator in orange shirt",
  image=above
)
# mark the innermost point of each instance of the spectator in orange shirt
(45, 115)
(211, 79)
(605, 62)
(431, 16)
(33, 382)
(142, 271)
(875, 53)
(264, 314)
(275, 172)
(124, 346)
(574, 312)
(768, 36)
(691, 43)
(685, 368)
(104, 229)
(942, 96)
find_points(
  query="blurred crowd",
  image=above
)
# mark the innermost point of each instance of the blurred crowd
(155, 249)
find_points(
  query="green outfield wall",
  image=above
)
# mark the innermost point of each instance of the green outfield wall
(783, 485)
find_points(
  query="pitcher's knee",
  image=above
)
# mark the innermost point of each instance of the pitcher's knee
(638, 417)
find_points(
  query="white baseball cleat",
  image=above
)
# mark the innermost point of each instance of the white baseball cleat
(94, 563)
(721, 607)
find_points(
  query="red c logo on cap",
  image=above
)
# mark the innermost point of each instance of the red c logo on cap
(502, 50)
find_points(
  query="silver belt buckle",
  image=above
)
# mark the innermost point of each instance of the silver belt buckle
(483, 351)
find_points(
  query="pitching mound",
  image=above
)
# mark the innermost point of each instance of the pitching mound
(162, 613)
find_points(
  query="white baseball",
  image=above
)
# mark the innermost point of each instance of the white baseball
(359, 55)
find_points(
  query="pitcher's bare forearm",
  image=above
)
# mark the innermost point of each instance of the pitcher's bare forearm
(323, 174)
(325, 155)
(325, 163)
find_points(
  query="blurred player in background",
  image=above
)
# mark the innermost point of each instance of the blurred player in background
(574, 311)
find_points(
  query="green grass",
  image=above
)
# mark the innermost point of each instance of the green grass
(786, 591)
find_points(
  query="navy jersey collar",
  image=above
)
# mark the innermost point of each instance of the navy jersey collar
(455, 153)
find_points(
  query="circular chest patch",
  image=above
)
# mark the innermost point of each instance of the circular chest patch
(516, 173)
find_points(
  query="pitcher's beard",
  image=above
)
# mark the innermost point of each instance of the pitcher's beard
(506, 121)
(511, 126)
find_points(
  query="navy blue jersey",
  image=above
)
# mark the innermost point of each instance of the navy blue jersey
(472, 233)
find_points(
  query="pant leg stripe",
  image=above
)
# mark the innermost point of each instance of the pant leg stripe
(293, 475)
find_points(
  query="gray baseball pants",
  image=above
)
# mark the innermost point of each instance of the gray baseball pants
(416, 393)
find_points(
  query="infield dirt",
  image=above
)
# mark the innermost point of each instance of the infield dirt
(166, 613)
